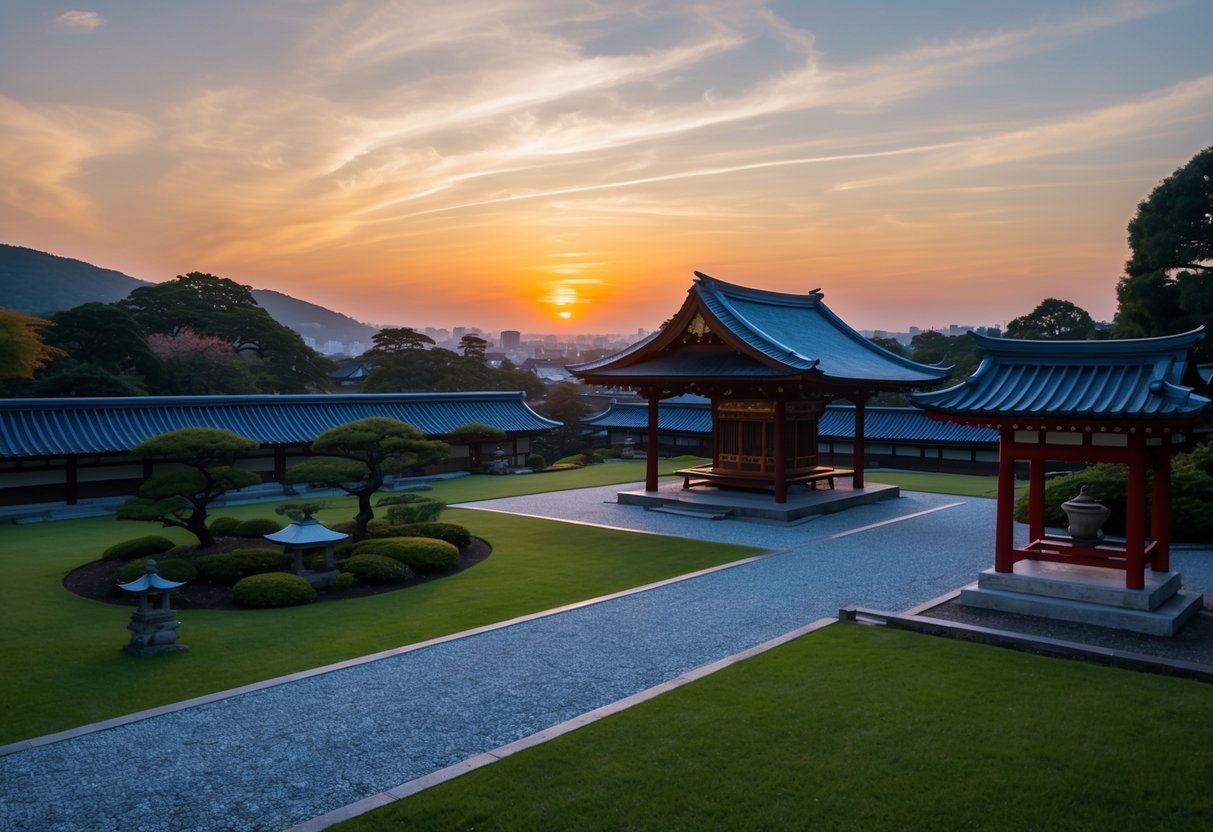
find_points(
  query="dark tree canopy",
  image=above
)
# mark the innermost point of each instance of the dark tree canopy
(564, 403)
(180, 497)
(1168, 281)
(442, 371)
(393, 340)
(473, 346)
(1053, 320)
(960, 352)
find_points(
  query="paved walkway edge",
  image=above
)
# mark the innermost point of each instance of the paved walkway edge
(442, 775)
(117, 722)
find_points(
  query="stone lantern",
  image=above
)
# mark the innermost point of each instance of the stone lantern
(1086, 516)
(499, 465)
(305, 535)
(153, 628)
(629, 449)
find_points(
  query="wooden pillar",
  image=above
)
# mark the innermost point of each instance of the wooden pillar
(71, 482)
(1004, 525)
(1036, 499)
(1160, 513)
(280, 463)
(1135, 520)
(857, 448)
(650, 467)
(781, 455)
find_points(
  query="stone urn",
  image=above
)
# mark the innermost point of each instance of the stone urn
(1086, 516)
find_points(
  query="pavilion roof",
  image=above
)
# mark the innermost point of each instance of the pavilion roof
(763, 335)
(1139, 378)
(56, 427)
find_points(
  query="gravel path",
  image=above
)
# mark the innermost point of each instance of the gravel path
(281, 755)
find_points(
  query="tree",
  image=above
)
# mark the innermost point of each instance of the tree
(473, 346)
(22, 348)
(474, 435)
(957, 351)
(356, 457)
(199, 365)
(180, 497)
(392, 340)
(440, 370)
(106, 335)
(1168, 282)
(1053, 320)
(563, 403)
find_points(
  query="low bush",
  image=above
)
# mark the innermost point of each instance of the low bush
(227, 568)
(412, 508)
(536, 461)
(452, 533)
(575, 460)
(420, 554)
(138, 547)
(342, 580)
(376, 569)
(609, 453)
(257, 526)
(224, 526)
(276, 589)
(171, 569)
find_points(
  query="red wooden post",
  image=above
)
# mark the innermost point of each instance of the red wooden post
(781, 460)
(650, 468)
(1135, 521)
(1004, 524)
(1160, 515)
(857, 448)
(1036, 499)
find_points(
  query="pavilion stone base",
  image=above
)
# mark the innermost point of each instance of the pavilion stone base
(760, 506)
(1086, 595)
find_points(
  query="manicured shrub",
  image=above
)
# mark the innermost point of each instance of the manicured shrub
(376, 569)
(275, 589)
(257, 526)
(597, 458)
(412, 508)
(138, 547)
(224, 526)
(343, 526)
(229, 567)
(535, 462)
(452, 533)
(421, 554)
(342, 580)
(608, 453)
(171, 569)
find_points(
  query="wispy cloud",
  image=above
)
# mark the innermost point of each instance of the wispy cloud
(80, 21)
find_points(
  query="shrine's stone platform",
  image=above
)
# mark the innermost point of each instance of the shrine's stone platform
(1086, 595)
(712, 502)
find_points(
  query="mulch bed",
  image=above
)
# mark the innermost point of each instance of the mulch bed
(98, 580)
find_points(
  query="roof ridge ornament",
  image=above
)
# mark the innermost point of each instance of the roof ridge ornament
(699, 327)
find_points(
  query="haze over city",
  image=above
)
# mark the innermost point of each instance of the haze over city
(548, 166)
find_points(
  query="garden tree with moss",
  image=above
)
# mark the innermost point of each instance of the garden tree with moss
(1053, 320)
(23, 349)
(1168, 282)
(204, 471)
(356, 457)
(221, 308)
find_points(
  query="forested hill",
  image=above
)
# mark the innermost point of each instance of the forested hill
(40, 283)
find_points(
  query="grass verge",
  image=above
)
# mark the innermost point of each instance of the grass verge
(64, 667)
(860, 728)
(966, 485)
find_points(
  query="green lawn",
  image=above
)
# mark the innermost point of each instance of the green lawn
(965, 485)
(861, 728)
(61, 654)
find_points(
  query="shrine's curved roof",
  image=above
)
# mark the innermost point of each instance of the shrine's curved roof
(1139, 378)
(776, 335)
(56, 427)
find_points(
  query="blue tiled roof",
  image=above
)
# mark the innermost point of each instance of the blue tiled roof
(1140, 378)
(880, 424)
(781, 334)
(52, 427)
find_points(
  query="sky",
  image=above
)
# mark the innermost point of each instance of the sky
(566, 166)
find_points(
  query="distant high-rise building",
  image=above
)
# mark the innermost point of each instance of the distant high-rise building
(458, 332)
(510, 339)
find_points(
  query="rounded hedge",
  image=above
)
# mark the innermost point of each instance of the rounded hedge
(229, 567)
(275, 589)
(257, 526)
(376, 569)
(342, 580)
(138, 547)
(536, 461)
(452, 533)
(171, 569)
(420, 554)
(223, 526)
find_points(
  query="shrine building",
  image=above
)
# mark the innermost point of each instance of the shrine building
(769, 362)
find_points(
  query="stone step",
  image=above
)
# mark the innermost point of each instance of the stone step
(701, 513)
(1163, 621)
(1083, 583)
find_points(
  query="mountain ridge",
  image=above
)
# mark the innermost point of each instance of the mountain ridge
(40, 283)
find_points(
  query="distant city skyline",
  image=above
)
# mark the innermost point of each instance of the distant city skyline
(542, 165)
